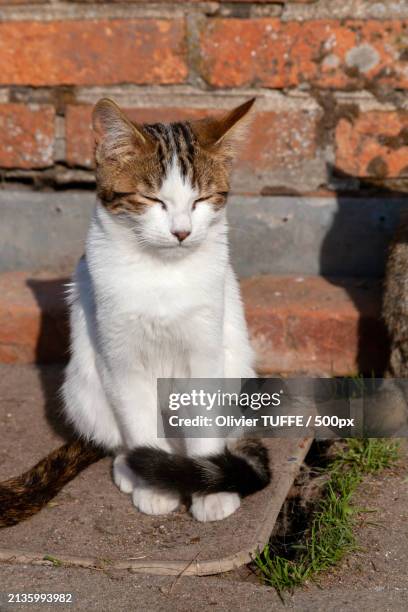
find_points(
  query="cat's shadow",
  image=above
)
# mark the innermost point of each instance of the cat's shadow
(51, 351)
(361, 248)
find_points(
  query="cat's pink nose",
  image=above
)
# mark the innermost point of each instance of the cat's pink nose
(181, 235)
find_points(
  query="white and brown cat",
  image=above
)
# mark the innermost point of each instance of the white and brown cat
(154, 297)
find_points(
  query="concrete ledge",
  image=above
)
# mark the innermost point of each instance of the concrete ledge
(92, 525)
(343, 236)
(297, 324)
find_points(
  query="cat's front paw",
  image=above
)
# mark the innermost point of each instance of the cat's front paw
(151, 501)
(215, 506)
(123, 477)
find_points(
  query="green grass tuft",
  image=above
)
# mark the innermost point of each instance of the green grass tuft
(367, 456)
(331, 533)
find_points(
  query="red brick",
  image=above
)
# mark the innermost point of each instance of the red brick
(310, 326)
(375, 144)
(313, 326)
(27, 136)
(279, 140)
(271, 53)
(292, 133)
(78, 136)
(92, 52)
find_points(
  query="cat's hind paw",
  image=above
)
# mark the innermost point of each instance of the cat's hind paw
(215, 506)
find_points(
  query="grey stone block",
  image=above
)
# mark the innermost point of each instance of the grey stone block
(341, 236)
(41, 230)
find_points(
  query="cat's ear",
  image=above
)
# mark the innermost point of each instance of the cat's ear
(116, 137)
(225, 131)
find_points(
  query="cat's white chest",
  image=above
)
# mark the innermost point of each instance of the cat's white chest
(162, 298)
(146, 301)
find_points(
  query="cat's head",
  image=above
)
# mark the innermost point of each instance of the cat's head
(168, 182)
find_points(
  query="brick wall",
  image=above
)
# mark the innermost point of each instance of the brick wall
(331, 78)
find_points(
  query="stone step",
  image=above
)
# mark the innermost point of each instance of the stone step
(298, 325)
(314, 325)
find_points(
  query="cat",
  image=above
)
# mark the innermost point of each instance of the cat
(395, 301)
(393, 391)
(395, 315)
(155, 296)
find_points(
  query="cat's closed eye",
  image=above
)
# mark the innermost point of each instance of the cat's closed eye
(216, 198)
(137, 198)
(122, 194)
(153, 199)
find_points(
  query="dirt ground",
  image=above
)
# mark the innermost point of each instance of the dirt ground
(90, 523)
(375, 577)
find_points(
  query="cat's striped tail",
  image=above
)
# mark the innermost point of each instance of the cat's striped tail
(23, 496)
(241, 468)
